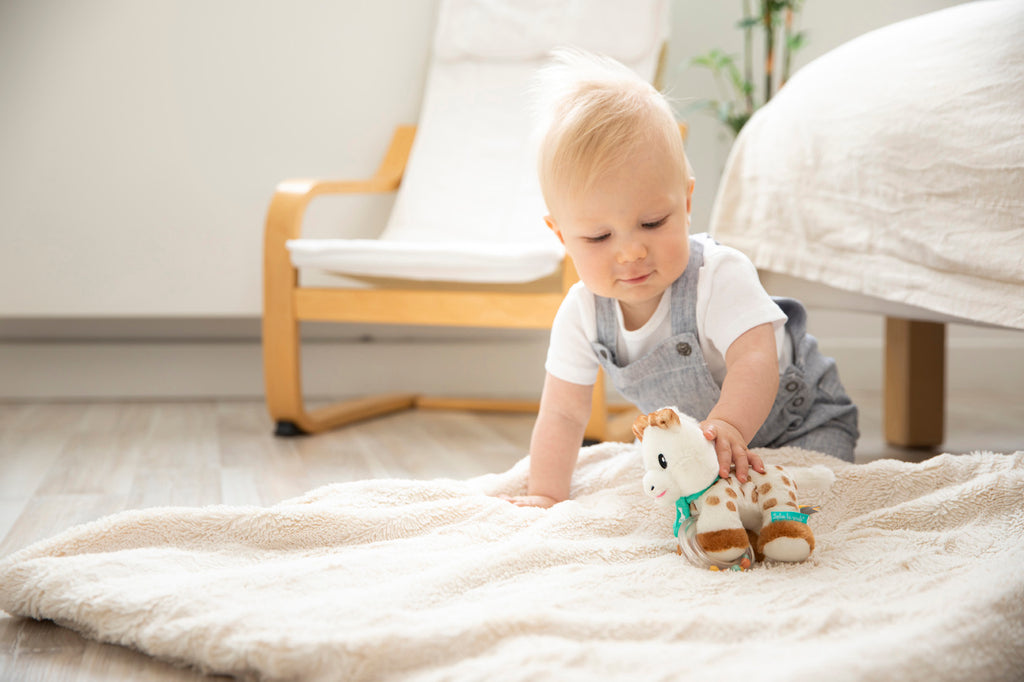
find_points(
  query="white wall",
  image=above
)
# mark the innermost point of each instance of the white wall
(142, 140)
(139, 145)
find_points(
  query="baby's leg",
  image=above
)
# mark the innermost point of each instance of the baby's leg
(828, 438)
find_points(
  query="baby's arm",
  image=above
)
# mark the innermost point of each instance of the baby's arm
(563, 415)
(748, 393)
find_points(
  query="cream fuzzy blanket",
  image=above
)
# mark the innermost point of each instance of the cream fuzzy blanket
(918, 575)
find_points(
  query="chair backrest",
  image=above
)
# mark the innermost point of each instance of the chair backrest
(472, 174)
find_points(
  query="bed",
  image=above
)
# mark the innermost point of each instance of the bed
(888, 176)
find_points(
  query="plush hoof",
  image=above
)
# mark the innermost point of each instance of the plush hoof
(785, 541)
(724, 545)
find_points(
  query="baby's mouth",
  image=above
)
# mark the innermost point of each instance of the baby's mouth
(636, 280)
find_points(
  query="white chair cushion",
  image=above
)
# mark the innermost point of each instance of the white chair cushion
(470, 207)
(430, 261)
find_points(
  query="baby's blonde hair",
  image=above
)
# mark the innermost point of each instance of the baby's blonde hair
(595, 112)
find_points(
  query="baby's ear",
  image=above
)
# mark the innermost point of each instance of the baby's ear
(553, 226)
(641, 423)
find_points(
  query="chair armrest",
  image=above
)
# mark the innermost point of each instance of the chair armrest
(288, 205)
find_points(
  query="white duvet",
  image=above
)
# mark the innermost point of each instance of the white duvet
(916, 576)
(893, 167)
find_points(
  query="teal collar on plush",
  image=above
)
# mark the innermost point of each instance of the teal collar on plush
(683, 505)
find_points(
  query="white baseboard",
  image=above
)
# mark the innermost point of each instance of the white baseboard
(114, 370)
(84, 370)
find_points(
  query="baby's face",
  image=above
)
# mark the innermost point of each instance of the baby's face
(627, 233)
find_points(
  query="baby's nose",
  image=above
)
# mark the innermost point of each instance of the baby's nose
(632, 251)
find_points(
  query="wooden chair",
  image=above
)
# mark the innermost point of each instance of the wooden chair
(473, 110)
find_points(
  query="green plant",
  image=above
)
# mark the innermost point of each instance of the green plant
(738, 97)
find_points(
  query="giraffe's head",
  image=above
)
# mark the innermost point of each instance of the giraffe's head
(678, 458)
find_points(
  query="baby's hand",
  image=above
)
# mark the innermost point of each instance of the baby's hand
(731, 448)
(530, 500)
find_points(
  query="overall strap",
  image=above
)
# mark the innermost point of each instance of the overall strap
(607, 324)
(684, 292)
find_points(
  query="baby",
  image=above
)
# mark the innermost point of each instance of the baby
(673, 319)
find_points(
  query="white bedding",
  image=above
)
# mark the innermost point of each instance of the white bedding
(916, 576)
(893, 167)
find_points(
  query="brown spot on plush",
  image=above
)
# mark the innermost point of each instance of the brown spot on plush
(793, 505)
(712, 500)
(721, 540)
(784, 529)
(778, 467)
(785, 481)
(730, 505)
(765, 488)
(792, 495)
(730, 492)
(770, 503)
(753, 496)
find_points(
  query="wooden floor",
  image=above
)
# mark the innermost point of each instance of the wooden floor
(64, 464)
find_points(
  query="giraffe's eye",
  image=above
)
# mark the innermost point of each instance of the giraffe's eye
(662, 461)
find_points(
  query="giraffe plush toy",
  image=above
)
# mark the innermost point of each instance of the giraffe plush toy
(730, 517)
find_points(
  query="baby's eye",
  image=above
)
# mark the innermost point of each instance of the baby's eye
(598, 239)
(655, 224)
(662, 461)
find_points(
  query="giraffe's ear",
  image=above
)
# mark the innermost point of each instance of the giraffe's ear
(641, 423)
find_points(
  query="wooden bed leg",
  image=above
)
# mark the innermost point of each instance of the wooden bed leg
(915, 364)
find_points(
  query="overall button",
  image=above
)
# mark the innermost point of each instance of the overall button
(796, 424)
(683, 349)
(798, 401)
(792, 386)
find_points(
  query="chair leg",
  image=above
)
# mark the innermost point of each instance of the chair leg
(597, 427)
(281, 341)
(915, 357)
(620, 427)
(281, 366)
(282, 374)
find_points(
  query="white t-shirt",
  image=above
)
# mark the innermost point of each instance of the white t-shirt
(730, 301)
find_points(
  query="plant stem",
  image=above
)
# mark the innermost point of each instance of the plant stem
(769, 47)
(748, 57)
(785, 46)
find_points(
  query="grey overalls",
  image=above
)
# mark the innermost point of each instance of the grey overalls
(811, 408)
